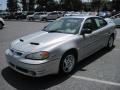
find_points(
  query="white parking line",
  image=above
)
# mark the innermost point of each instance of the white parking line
(118, 37)
(116, 49)
(96, 80)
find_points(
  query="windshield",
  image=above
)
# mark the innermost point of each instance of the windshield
(65, 25)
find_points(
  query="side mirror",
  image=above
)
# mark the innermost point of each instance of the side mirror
(86, 31)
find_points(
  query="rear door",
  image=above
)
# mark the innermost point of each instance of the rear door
(53, 15)
(37, 15)
(103, 30)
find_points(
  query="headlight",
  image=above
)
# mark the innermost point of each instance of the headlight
(38, 56)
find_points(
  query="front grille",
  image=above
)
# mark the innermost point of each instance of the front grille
(11, 50)
(19, 68)
(22, 69)
(16, 52)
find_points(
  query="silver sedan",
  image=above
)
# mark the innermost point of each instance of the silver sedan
(60, 45)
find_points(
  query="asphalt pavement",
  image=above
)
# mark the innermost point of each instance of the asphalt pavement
(101, 71)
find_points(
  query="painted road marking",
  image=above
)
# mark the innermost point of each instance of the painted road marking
(96, 80)
(117, 37)
(116, 49)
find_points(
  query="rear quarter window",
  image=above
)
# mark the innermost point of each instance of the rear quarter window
(100, 22)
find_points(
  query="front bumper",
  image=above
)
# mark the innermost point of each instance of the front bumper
(37, 69)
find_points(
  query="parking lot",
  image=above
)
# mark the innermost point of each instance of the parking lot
(97, 72)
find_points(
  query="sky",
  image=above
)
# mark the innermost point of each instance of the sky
(3, 4)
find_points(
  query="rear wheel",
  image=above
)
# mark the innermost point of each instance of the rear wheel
(110, 42)
(67, 63)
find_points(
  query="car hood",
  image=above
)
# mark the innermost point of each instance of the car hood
(39, 41)
(44, 15)
(30, 15)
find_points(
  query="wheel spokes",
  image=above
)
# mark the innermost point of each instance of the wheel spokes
(68, 63)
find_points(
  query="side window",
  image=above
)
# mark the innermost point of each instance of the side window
(54, 13)
(59, 13)
(37, 14)
(100, 22)
(90, 24)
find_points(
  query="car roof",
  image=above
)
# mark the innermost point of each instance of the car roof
(81, 16)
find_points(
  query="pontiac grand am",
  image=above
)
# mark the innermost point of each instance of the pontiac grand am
(60, 45)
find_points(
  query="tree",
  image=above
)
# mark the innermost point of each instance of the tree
(104, 5)
(52, 5)
(71, 4)
(96, 4)
(41, 5)
(77, 5)
(115, 5)
(46, 5)
(31, 5)
(12, 5)
(24, 5)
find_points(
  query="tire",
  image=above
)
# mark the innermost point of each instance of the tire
(44, 19)
(31, 19)
(17, 18)
(110, 42)
(1, 25)
(67, 63)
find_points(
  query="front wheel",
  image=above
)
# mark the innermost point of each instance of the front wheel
(31, 19)
(44, 19)
(110, 42)
(67, 63)
(1, 25)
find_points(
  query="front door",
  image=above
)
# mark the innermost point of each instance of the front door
(89, 42)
